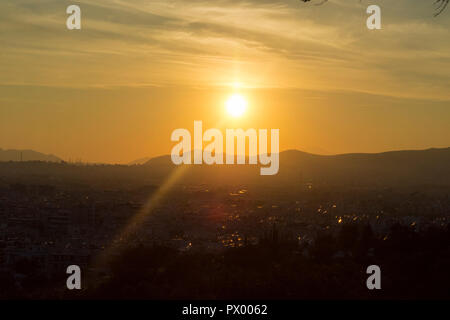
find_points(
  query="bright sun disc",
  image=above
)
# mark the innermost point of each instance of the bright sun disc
(236, 105)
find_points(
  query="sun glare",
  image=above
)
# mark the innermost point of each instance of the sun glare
(236, 105)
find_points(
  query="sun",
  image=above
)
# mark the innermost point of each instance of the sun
(236, 105)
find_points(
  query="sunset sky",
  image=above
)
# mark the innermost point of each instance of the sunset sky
(138, 69)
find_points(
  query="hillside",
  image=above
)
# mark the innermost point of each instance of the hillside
(26, 155)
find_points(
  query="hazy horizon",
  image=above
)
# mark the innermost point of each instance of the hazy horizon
(145, 158)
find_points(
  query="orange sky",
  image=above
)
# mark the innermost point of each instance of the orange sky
(115, 90)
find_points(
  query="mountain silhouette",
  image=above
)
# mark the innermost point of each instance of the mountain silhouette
(26, 155)
(139, 161)
(431, 166)
(297, 169)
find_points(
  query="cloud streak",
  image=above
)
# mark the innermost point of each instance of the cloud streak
(264, 43)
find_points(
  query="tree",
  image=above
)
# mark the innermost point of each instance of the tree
(440, 5)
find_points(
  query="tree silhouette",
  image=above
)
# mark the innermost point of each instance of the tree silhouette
(440, 5)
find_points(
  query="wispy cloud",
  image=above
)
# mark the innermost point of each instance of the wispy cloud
(263, 43)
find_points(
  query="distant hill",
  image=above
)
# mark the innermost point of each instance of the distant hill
(419, 169)
(410, 167)
(139, 161)
(26, 155)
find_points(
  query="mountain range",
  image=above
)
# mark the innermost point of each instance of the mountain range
(27, 155)
(296, 168)
(431, 166)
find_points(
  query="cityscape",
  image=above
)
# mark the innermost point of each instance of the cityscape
(52, 217)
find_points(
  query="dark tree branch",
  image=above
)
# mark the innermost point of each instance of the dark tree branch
(441, 5)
